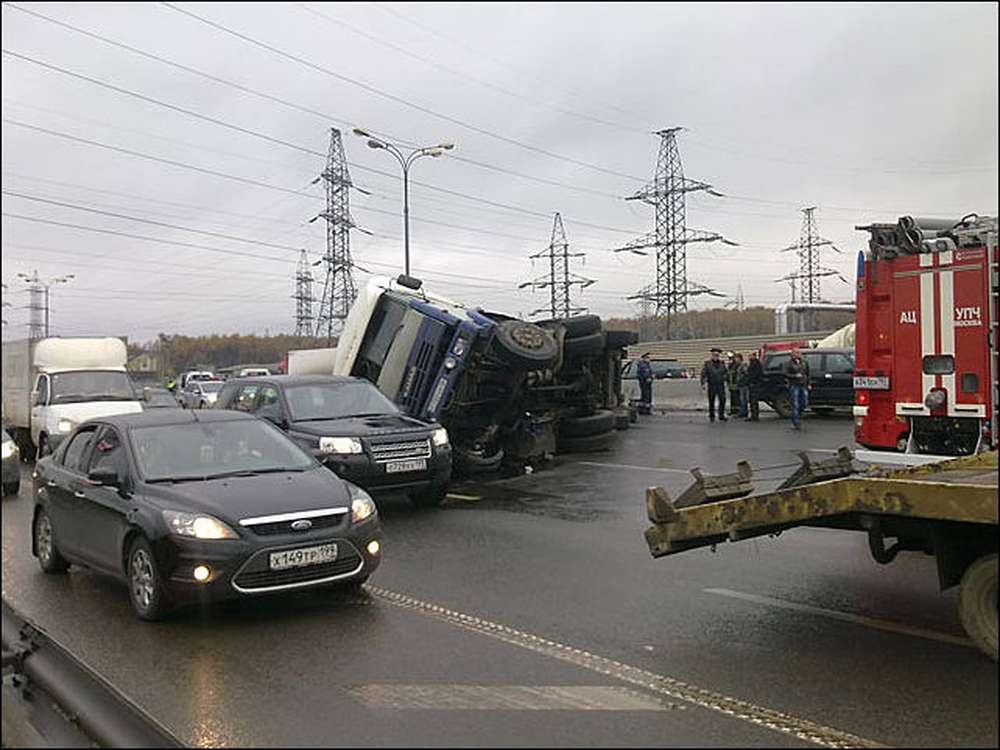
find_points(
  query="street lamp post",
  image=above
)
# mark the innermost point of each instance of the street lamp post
(405, 161)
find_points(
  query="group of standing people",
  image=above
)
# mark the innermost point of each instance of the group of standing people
(740, 379)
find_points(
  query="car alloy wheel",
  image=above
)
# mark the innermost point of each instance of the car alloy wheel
(43, 539)
(142, 579)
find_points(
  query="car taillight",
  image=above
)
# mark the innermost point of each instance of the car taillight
(862, 398)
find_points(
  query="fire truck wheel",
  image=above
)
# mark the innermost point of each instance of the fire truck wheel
(590, 444)
(581, 325)
(977, 603)
(524, 344)
(781, 406)
(595, 424)
(620, 339)
(584, 346)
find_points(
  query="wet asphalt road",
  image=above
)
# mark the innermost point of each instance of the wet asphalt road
(528, 612)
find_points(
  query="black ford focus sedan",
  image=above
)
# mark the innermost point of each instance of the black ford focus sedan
(188, 507)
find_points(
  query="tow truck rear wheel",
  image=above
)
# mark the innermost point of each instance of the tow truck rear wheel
(977, 603)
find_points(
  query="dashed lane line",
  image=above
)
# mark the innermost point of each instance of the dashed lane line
(869, 622)
(669, 687)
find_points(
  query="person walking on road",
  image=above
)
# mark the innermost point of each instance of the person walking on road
(644, 372)
(732, 375)
(754, 379)
(797, 377)
(742, 387)
(713, 378)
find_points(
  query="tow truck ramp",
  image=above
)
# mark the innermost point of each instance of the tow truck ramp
(947, 509)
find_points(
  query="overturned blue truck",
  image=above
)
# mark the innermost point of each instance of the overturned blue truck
(511, 393)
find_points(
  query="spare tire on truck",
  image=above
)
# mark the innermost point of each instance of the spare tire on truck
(581, 325)
(620, 339)
(524, 345)
(590, 345)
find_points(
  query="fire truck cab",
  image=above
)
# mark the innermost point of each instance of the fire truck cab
(926, 341)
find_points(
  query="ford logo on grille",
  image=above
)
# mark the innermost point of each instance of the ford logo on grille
(303, 524)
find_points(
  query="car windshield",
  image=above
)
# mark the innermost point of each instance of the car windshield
(336, 400)
(161, 399)
(211, 386)
(91, 385)
(203, 450)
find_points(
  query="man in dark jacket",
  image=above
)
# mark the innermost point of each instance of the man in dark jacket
(754, 380)
(713, 377)
(644, 373)
(797, 377)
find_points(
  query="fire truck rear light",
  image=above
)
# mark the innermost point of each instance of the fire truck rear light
(862, 398)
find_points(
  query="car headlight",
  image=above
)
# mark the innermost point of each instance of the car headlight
(342, 445)
(65, 425)
(9, 450)
(197, 525)
(362, 505)
(440, 437)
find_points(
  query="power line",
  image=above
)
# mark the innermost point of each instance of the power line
(399, 100)
(560, 280)
(810, 271)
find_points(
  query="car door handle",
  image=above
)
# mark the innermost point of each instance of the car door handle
(51, 483)
(80, 494)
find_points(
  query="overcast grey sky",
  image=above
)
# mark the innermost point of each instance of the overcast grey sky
(866, 111)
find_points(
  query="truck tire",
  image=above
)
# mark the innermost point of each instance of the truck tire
(584, 346)
(977, 603)
(590, 444)
(525, 345)
(781, 406)
(620, 339)
(622, 420)
(473, 462)
(594, 424)
(581, 325)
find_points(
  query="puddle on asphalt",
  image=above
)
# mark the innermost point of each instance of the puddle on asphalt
(501, 495)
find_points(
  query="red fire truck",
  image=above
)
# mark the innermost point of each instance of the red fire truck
(926, 340)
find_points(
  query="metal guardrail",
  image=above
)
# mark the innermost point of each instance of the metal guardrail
(101, 711)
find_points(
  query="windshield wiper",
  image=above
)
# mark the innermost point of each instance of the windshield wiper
(174, 480)
(253, 472)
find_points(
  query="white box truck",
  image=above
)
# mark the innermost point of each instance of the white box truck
(311, 361)
(51, 385)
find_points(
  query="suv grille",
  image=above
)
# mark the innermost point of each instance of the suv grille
(400, 449)
(415, 378)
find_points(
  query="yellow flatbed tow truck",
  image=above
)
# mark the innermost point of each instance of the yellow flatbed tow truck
(947, 509)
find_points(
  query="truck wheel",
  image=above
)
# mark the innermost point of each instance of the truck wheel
(590, 444)
(476, 462)
(581, 325)
(620, 339)
(49, 558)
(594, 424)
(584, 346)
(782, 406)
(977, 603)
(526, 345)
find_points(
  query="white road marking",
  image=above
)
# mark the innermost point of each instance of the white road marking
(456, 496)
(870, 622)
(509, 698)
(631, 466)
(669, 687)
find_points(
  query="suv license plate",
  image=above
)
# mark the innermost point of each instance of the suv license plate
(877, 383)
(303, 557)
(395, 467)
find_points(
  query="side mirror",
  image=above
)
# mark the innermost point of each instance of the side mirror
(103, 476)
